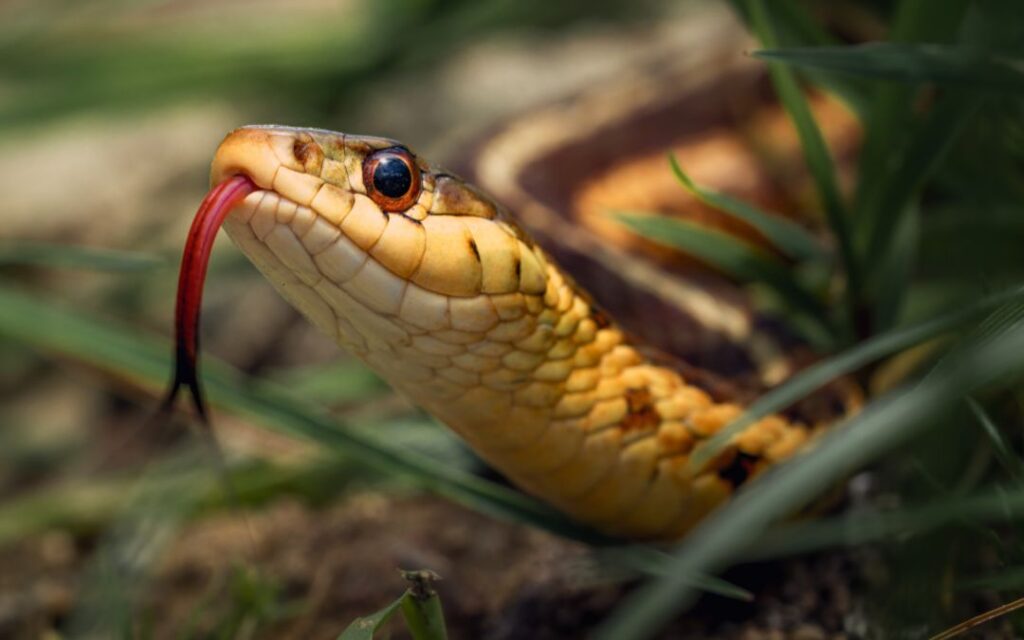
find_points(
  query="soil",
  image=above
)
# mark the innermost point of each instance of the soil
(309, 572)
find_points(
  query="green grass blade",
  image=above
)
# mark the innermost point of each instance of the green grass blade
(364, 628)
(992, 506)
(146, 361)
(86, 506)
(891, 122)
(951, 65)
(737, 258)
(814, 377)
(795, 27)
(819, 160)
(652, 561)
(63, 256)
(1010, 460)
(335, 383)
(1011, 578)
(421, 607)
(930, 141)
(890, 293)
(738, 525)
(789, 237)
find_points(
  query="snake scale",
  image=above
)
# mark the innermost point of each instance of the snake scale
(439, 290)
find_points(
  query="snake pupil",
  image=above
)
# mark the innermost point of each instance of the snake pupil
(392, 177)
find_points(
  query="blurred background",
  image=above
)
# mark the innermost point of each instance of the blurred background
(113, 524)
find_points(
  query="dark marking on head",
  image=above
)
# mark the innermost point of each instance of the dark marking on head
(518, 268)
(474, 249)
(301, 149)
(642, 414)
(308, 154)
(739, 470)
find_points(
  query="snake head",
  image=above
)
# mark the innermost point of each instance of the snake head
(358, 232)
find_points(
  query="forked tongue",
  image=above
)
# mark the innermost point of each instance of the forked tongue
(194, 261)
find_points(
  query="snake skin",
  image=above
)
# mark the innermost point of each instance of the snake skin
(454, 305)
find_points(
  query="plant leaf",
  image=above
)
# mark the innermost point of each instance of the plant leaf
(819, 160)
(1010, 460)
(887, 203)
(146, 361)
(788, 236)
(952, 65)
(421, 607)
(364, 628)
(795, 27)
(63, 256)
(994, 505)
(737, 258)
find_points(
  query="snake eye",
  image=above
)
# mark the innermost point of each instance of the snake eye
(392, 179)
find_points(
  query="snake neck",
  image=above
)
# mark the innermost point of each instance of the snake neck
(547, 389)
(556, 397)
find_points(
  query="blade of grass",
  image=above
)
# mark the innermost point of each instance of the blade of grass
(929, 143)
(952, 65)
(816, 376)
(364, 628)
(795, 27)
(735, 257)
(992, 506)
(652, 561)
(788, 236)
(1006, 579)
(335, 383)
(1010, 461)
(738, 525)
(421, 607)
(819, 160)
(889, 293)
(63, 256)
(85, 506)
(891, 124)
(145, 361)
(168, 492)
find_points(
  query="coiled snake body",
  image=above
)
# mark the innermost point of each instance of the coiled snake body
(437, 288)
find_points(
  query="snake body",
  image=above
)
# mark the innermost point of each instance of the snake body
(440, 291)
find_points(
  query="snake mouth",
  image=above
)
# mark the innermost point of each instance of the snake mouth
(294, 201)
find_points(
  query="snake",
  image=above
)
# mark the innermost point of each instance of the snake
(442, 291)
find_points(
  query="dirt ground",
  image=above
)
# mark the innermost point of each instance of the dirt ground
(314, 571)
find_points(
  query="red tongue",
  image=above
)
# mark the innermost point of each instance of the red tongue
(194, 261)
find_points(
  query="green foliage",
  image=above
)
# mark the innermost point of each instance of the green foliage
(75, 257)
(740, 259)
(789, 237)
(816, 153)
(947, 65)
(420, 606)
(924, 218)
